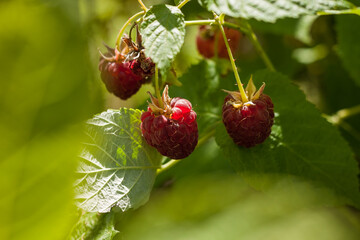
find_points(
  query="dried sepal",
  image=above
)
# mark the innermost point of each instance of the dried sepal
(234, 94)
(155, 105)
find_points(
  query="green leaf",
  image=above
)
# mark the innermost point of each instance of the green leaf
(117, 167)
(302, 143)
(347, 28)
(94, 226)
(270, 11)
(163, 33)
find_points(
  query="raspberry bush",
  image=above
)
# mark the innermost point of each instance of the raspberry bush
(207, 119)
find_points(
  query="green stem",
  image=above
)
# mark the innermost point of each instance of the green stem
(200, 22)
(212, 21)
(157, 89)
(142, 5)
(206, 137)
(173, 162)
(182, 3)
(342, 114)
(251, 35)
(167, 166)
(244, 27)
(122, 30)
(348, 112)
(244, 98)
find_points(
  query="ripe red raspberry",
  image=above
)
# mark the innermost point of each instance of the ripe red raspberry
(171, 129)
(206, 38)
(249, 123)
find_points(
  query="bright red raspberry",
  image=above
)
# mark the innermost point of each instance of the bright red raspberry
(206, 38)
(171, 129)
(249, 123)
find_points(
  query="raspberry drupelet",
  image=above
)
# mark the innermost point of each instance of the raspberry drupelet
(249, 123)
(172, 128)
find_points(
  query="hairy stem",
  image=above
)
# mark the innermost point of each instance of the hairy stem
(142, 5)
(157, 89)
(183, 3)
(122, 30)
(251, 35)
(244, 98)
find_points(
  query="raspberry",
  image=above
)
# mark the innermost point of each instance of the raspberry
(124, 71)
(119, 79)
(206, 38)
(249, 123)
(143, 67)
(172, 129)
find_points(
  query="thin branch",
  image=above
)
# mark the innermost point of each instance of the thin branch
(143, 5)
(183, 3)
(122, 30)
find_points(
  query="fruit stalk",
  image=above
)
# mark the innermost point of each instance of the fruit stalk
(122, 30)
(157, 89)
(254, 40)
(182, 3)
(142, 5)
(220, 20)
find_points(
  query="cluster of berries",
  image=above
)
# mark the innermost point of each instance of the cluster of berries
(170, 124)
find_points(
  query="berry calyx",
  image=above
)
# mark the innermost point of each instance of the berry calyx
(206, 39)
(124, 70)
(172, 129)
(248, 123)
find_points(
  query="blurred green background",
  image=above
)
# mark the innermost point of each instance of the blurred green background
(50, 84)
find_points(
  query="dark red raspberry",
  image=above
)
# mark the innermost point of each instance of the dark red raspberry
(119, 79)
(143, 67)
(206, 38)
(249, 123)
(124, 71)
(171, 129)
